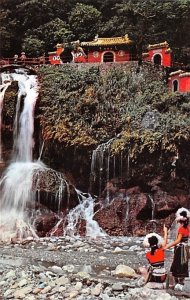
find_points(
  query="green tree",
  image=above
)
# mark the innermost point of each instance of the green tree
(51, 33)
(84, 21)
(33, 46)
(5, 34)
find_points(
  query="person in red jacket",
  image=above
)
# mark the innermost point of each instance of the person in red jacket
(156, 256)
(179, 266)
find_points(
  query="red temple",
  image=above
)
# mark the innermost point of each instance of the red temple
(179, 81)
(159, 54)
(116, 49)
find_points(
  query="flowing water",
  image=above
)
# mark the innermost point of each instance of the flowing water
(16, 183)
(20, 184)
(83, 212)
(100, 162)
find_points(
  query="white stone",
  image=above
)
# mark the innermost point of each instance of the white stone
(73, 294)
(96, 290)
(105, 297)
(10, 274)
(46, 289)
(23, 282)
(78, 286)
(7, 293)
(2, 283)
(117, 250)
(125, 271)
(21, 294)
(57, 270)
(62, 280)
(83, 275)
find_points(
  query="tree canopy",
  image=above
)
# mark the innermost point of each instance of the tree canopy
(36, 26)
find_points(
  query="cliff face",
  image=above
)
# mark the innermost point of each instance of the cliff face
(140, 171)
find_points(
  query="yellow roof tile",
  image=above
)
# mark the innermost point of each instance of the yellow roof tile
(108, 41)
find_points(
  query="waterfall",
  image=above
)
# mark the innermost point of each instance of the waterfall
(84, 211)
(16, 184)
(153, 206)
(24, 124)
(21, 182)
(3, 88)
(98, 164)
(127, 198)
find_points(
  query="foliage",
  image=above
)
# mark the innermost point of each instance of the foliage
(83, 17)
(146, 22)
(86, 107)
(33, 46)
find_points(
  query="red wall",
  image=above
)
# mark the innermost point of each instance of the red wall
(98, 57)
(54, 57)
(166, 57)
(183, 83)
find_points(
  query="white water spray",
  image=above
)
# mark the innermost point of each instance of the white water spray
(16, 189)
(83, 211)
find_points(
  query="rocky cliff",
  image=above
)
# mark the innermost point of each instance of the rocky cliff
(117, 132)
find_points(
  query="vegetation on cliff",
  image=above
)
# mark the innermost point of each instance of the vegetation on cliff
(82, 107)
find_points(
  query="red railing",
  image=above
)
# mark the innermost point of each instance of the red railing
(45, 60)
(27, 61)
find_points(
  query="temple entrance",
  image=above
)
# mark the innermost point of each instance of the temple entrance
(157, 59)
(108, 57)
(175, 85)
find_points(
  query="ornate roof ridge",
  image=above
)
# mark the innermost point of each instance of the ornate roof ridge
(108, 41)
(176, 72)
(159, 45)
(185, 74)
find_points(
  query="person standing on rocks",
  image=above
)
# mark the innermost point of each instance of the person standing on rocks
(179, 266)
(156, 272)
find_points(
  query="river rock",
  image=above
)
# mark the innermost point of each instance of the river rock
(96, 290)
(117, 287)
(125, 271)
(186, 287)
(62, 280)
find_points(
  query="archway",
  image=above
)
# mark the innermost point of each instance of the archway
(157, 59)
(175, 85)
(108, 57)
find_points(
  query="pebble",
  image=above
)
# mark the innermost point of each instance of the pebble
(42, 278)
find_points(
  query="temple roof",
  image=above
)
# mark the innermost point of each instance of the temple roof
(108, 41)
(160, 45)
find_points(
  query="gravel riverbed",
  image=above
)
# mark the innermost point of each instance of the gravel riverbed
(78, 268)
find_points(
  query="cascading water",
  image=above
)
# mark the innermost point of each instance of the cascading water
(16, 183)
(153, 206)
(83, 212)
(20, 184)
(100, 157)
